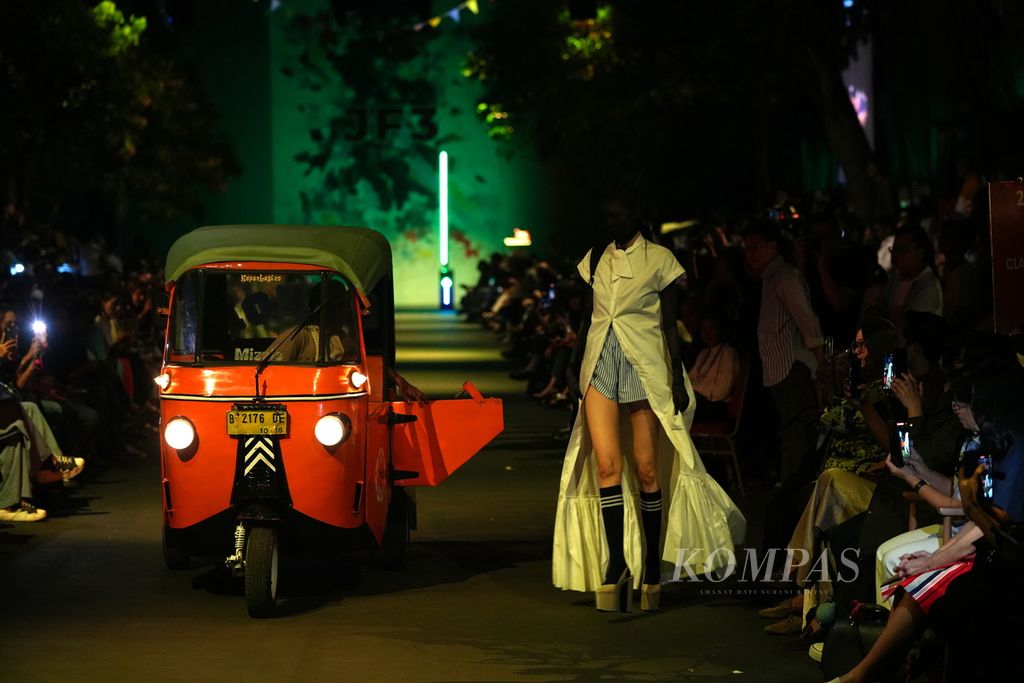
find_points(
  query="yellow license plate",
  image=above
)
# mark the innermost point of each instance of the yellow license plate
(257, 422)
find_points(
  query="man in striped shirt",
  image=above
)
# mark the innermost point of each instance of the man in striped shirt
(790, 344)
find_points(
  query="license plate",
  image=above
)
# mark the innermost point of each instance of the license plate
(258, 422)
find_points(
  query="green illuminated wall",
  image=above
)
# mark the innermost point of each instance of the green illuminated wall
(387, 177)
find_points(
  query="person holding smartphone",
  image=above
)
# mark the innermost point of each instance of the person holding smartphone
(936, 489)
(925, 577)
(989, 600)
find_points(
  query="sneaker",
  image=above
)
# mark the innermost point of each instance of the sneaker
(22, 512)
(68, 467)
(790, 626)
(779, 611)
(814, 652)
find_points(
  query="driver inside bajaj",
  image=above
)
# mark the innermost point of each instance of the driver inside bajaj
(335, 315)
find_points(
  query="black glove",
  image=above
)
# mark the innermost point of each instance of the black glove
(680, 397)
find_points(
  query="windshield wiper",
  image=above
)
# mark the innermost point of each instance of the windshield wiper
(277, 344)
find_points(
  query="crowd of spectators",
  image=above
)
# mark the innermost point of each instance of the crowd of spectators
(887, 321)
(79, 346)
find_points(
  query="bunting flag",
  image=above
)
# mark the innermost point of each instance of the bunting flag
(454, 14)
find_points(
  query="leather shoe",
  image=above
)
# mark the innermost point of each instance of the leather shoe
(779, 611)
(790, 626)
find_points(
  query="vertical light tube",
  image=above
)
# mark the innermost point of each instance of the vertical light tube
(443, 209)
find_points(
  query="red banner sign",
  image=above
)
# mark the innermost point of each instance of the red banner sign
(1006, 221)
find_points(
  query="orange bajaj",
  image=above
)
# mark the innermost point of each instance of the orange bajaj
(279, 419)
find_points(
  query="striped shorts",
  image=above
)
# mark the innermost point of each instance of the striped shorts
(614, 377)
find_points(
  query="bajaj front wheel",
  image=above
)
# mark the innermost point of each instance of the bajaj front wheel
(261, 571)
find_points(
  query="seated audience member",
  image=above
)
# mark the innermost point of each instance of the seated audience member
(29, 381)
(855, 444)
(988, 601)
(923, 578)
(937, 436)
(713, 374)
(935, 488)
(27, 450)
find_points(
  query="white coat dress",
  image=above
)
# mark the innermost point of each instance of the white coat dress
(698, 517)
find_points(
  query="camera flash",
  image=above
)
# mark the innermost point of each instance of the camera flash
(38, 327)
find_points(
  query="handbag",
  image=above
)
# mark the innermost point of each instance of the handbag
(849, 641)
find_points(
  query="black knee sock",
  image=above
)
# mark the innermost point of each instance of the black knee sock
(650, 513)
(612, 512)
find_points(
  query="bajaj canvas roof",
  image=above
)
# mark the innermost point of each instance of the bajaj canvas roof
(361, 255)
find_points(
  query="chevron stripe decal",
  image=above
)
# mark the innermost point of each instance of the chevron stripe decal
(257, 450)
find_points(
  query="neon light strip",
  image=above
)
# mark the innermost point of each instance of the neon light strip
(443, 209)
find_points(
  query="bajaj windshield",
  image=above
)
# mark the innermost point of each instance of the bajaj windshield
(238, 317)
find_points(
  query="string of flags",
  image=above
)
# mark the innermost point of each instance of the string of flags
(454, 14)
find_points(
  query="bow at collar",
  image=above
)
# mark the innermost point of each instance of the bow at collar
(620, 264)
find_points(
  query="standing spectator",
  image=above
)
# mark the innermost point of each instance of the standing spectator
(790, 345)
(912, 285)
(960, 282)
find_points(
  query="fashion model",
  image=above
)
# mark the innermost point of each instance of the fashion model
(630, 442)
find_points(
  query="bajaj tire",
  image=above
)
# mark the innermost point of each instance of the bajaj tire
(261, 550)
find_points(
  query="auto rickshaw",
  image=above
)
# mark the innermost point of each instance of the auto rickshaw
(280, 421)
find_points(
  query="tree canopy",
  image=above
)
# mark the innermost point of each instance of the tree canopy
(100, 110)
(694, 105)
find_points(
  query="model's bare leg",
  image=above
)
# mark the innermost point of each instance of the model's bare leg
(645, 441)
(603, 425)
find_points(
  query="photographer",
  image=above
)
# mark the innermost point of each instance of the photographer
(28, 378)
(14, 371)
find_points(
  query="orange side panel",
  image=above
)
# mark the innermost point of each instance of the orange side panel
(376, 481)
(444, 437)
(322, 482)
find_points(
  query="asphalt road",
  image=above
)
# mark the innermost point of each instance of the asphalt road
(84, 596)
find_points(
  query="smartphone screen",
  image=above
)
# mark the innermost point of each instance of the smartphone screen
(887, 371)
(901, 445)
(986, 492)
